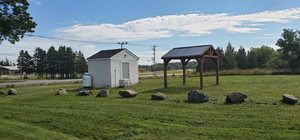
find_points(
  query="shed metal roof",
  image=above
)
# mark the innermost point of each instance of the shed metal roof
(110, 53)
(187, 52)
(105, 54)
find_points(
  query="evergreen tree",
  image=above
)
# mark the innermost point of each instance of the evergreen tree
(5, 63)
(230, 62)
(62, 61)
(241, 58)
(222, 59)
(252, 58)
(80, 63)
(70, 63)
(39, 61)
(25, 63)
(52, 62)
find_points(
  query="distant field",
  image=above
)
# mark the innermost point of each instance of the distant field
(35, 113)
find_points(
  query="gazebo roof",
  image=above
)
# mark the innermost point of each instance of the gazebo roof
(189, 52)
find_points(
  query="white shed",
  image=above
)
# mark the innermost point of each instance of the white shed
(113, 68)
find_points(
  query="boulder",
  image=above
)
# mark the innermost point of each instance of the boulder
(127, 93)
(102, 93)
(158, 96)
(61, 91)
(197, 96)
(84, 92)
(2, 93)
(11, 92)
(289, 99)
(235, 97)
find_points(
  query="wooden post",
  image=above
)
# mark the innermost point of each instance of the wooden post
(200, 63)
(165, 74)
(183, 71)
(217, 71)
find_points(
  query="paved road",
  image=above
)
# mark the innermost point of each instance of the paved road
(38, 82)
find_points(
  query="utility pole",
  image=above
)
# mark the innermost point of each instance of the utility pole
(122, 43)
(154, 59)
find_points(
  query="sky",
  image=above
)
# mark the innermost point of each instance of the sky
(101, 24)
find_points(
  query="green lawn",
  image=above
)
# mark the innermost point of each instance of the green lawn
(35, 113)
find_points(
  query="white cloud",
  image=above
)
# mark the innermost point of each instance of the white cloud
(195, 24)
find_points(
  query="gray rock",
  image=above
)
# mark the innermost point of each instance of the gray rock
(84, 92)
(158, 96)
(235, 97)
(11, 92)
(61, 91)
(289, 99)
(102, 93)
(2, 93)
(197, 96)
(127, 93)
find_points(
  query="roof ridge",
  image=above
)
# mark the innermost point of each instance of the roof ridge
(193, 46)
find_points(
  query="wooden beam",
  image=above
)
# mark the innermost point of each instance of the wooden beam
(184, 62)
(217, 71)
(200, 64)
(210, 56)
(166, 61)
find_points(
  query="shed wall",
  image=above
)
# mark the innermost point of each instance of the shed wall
(101, 72)
(116, 67)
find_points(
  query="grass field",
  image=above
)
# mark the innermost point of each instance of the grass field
(35, 113)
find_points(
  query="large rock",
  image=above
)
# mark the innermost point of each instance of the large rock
(11, 92)
(158, 96)
(61, 91)
(1, 93)
(235, 97)
(84, 92)
(197, 96)
(127, 93)
(102, 93)
(289, 99)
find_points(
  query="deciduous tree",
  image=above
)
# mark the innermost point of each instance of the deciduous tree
(15, 21)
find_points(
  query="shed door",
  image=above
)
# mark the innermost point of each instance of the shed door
(125, 70)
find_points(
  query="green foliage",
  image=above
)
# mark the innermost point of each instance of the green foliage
(36, 113)
(25, 62)
(15, 21)
(5, 63)
(222, 58)
(241, 58)
(277, 62)
(63, 61)
(289, 44)
(230, 61)
(80, 63)
(39, 60)
(52, 62)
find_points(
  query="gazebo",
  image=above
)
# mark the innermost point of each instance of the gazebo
(185, 54)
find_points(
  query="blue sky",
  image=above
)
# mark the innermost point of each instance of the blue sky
(165, 23)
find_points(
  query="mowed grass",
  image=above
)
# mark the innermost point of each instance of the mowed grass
(36, 113)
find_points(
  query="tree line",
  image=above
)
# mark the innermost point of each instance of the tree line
(61, 63)
(286, 57)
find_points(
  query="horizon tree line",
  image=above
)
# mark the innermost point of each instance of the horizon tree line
(287, 57)
(61, 63)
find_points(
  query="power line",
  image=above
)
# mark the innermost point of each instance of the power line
(154, 59)
(85, 41)
(65, 39)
